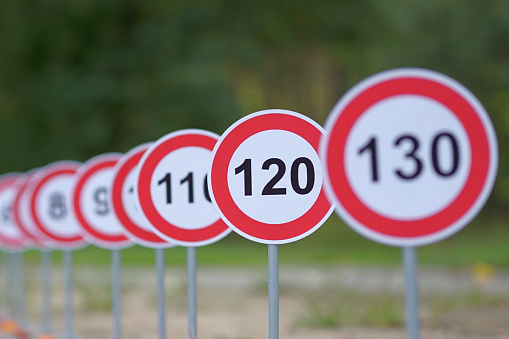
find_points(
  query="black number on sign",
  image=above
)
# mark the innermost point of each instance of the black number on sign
(166, 180)
(101, 200)
(248, 176)
(455, 155)
(310, 175)
(57, 208)
(269, 189)
(6, 213)
(412, 155)
(206, 189)
(371, 147)
(189, 179)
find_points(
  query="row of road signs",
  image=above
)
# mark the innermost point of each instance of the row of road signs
(159, 194)
(408, 157)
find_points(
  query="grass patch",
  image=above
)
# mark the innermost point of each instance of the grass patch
(96, 298)
(338, 308)
(334, 243)
(474, 298)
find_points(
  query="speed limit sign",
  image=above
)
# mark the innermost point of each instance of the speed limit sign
(91, 200)
(266, 177)
(123, 200)
(410, 157)
(171, 189)
(11, 237)
(50, 205)
(21, 211)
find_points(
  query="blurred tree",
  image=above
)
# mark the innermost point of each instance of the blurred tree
(82, 77)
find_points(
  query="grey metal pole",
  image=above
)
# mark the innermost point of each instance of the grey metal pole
(410, 263)
(191, 292)
(161, 310)
(273, 292)
(116, 287)
(46, 291)
(21, 286)
(68, 282)
(9, 285)
(5, 303)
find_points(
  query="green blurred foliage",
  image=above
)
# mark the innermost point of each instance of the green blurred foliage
(82, 77)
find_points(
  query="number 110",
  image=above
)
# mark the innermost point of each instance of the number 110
(189, 179)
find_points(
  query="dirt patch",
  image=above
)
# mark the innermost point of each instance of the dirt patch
(315, 302)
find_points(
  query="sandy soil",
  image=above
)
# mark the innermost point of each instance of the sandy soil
(315, 302)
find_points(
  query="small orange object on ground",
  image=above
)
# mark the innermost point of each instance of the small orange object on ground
(9, 326)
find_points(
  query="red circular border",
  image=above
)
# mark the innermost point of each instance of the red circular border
(50, 173)
(99, 163)
(219, 177)
(31, 239)
(473, 125)
(10, 244)
(147, 170)
(118, 182)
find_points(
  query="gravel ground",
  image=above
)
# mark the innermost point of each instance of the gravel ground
(315, 302)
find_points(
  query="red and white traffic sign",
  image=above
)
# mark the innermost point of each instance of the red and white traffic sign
(172, 191)
(123, 200)
(410, 157)
(21, 212)
(266, 177)
(11, 237)
(91, 201)
(50, 205)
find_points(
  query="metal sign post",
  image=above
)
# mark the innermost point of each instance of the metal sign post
(410, 157)
(191, 292)
(172, 196)
(116, 292)
(5, 283)
(68, 290)
(410, 264)
(266, 183)
(161, 309)
(21, 288)
(46, 291)
(273, 291)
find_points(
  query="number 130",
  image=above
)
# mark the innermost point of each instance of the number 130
(371, 148)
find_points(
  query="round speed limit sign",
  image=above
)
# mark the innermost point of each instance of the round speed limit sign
(50, 205)
(410, 157)
(91, 202)
(171, 189)
(11, 237)
(266, 177)
(123, 200)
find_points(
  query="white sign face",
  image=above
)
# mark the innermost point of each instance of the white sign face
(129, 204)
(124, 202)
(272, 164)
(266, 177)
(51, 205)
(172, 189)
(410, 157)
(405, 152)
(180, 193)
(23, 212)
(92, 202)
(11, 237)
